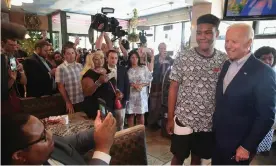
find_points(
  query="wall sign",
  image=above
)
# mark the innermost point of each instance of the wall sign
(32, 21)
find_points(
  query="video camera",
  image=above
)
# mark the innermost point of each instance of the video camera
(107, 24)
(143, 35)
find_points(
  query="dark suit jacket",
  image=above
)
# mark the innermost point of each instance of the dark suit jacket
(123, 83)
(4, 79)
(69, 150)
(158, 69)
(39, 82)
(245, 112)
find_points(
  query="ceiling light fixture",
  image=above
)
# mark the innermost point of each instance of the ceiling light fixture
(16, 2)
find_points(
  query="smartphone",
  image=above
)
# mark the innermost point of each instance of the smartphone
(102, 108)
(13, 65)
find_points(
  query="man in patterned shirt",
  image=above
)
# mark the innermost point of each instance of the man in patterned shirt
(191, 100)
(68, 79)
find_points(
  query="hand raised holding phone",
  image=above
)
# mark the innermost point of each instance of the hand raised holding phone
(104, 132)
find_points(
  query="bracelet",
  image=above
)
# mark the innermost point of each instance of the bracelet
(98, 83)
(22, 72)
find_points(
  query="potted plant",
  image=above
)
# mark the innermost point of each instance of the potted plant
(28, 44)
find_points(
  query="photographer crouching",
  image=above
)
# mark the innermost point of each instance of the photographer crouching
(11, 70)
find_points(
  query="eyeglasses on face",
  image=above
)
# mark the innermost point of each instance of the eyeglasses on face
(43, 137)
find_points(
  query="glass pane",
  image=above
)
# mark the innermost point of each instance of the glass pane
(263, 42)
(266, 27)
(187, 32)
(82, 41)
(87, 43)
(56, 26)
(220, 45)
(256, 44)
(171, 37)
(56, 41)
(223, 28)
(96, 35)
(78, 23)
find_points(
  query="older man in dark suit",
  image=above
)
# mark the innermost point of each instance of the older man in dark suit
(245, 100)
(25, 141)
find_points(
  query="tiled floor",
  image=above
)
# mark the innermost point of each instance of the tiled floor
(158, 149)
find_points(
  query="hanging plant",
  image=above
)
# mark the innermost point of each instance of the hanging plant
(133, 37)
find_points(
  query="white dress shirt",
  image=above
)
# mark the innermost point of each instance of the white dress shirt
(233, 69)
(97, 155)
(114, 70)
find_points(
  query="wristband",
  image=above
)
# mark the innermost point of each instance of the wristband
(98, 83)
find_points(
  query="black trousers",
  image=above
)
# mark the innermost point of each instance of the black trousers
(222, 157)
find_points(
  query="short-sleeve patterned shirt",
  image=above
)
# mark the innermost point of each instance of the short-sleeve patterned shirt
(69, 75)
(197, 77)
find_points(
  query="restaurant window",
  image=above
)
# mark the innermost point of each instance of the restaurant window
(258, 43)
(265, 34)
(78, 23)
(187, 32)
(267, 27)
(84, 41)
(222, 33)
(170, 36)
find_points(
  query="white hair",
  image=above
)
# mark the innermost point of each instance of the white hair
(247, 27)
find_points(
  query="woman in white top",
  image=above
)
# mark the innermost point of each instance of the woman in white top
(139, 78)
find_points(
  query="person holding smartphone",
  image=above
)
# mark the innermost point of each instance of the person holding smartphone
(98, 83)
(12, 72)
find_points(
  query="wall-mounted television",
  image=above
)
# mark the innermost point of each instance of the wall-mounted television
(249, 9)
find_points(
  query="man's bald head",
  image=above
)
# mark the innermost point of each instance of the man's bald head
(239, 38)
(161, 44)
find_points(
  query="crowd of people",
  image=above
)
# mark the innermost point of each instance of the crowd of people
(83, 76)
(220, 105)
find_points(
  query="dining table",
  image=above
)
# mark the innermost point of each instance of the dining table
(77, 122)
